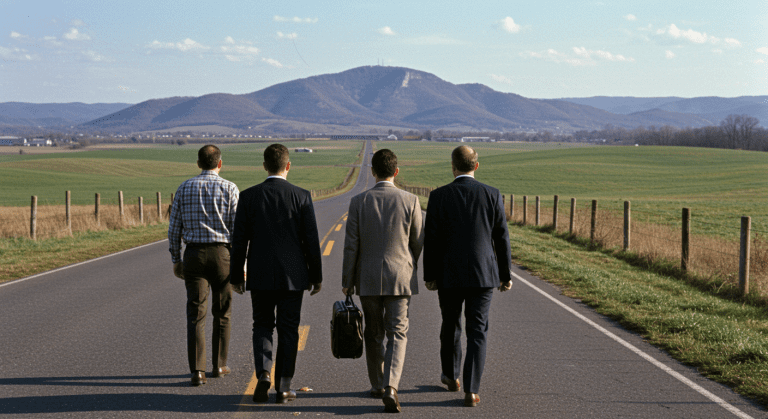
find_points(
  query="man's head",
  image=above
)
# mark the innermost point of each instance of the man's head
(209, 157)
(464, 159)
(384, 164)
(275, 159)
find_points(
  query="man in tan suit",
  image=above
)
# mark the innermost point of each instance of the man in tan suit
(383, 242)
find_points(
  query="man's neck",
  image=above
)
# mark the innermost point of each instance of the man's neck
(388, 179)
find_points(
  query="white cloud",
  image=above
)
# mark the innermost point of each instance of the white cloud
(52, 40)
(689, 34)
(630, 17)
(78, 22)
(126, 89)
(732, 42)
(236, 52)
(669, 54)
(583, 52)
(184, 46)
(240, 49)
(508, 24)
(75, 35)
(272, 62)
(94, 56)
(232, 58)
(15, 54)
(717, 51)
(386, 30)
(501, 79)
(281, 35)
(763, 50)
(16, 35)
(760, 61)
(229, 40)
(295, 19)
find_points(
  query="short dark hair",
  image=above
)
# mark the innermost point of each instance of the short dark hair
(275, 158)
(464, 158)
(384, 163)
(209, 157)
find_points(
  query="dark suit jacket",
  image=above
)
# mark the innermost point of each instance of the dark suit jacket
(466, 241)
(275, 222)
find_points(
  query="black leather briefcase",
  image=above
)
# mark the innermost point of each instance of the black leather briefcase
(347, 329)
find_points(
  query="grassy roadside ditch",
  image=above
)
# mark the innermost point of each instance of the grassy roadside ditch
(725, 339)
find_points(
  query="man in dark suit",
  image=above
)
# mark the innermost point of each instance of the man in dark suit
(275, 225)
(466, 255)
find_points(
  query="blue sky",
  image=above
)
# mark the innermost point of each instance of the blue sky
(118, 51)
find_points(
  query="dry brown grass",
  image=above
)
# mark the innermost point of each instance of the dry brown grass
(711, 258)
(51, 219)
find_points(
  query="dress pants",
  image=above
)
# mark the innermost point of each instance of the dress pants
(206, 266)
(385, 315)
(477, 304)
(281, 310)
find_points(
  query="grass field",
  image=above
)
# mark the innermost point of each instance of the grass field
(147, 170)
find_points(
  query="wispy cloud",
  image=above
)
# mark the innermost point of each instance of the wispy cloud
(229, 40)
(501, 79)
(669, 54)
(242, 49)
(16, 54)
(689, 34)
(272, 62)
(16, 35)
(281, 35)
(763, 50)
(75, 35)
(630, 17)
(295, 19)
(508, 24)
(386, 30)
(78, 22)
(184, 46)
(581, 56)
(732, 42)
(94, 56)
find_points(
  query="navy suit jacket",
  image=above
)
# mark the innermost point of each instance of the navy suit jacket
(466, 241)
(275, 224)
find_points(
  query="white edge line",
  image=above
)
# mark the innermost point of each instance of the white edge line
(701, 390)
(16, 281)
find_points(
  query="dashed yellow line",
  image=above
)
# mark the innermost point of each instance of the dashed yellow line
(328, 248)
(338, 227)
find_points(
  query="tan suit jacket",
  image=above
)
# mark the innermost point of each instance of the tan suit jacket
(383, 242)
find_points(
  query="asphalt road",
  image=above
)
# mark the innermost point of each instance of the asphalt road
(106, 338)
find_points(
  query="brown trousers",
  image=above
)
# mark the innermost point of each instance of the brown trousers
(206, 266)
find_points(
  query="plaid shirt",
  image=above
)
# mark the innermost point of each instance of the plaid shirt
(203, 211)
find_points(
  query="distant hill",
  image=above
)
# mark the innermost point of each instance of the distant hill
(377, 97)
(711, 108)
(54, 114)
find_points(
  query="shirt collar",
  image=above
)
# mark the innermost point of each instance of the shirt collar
(465, 176)
(276, 177)
(386, 182)
(209, 173)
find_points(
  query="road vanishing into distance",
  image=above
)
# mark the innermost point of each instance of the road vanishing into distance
(107, 338)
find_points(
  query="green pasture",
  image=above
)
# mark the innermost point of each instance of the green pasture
(719, 186)
(145, 171)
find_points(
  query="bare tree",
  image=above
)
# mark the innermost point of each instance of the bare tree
(746, 130)
(730, 127)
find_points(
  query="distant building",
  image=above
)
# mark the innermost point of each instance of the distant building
(39, 142)
(12, 141)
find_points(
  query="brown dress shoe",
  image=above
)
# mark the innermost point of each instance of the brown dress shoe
(220, 372)
(285, 397)
(377, 393)
(198, 378)
(262, 387)
(453, 385)
(471, 399)
(391, 403)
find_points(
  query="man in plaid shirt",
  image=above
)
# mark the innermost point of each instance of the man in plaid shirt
(203, 215)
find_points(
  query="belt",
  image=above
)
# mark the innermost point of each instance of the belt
(227, 245)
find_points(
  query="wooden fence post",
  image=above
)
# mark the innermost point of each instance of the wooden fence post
(96, 207)
(593, 226)
(627, 221)
(512, 207)
(525, 209)
(554, 212)
(685, 252)
(746, 227)
(573, 215)
(538, 210)
(141, 210)
(159, 204)
(33, 219)
(120, 205)
(68, 205)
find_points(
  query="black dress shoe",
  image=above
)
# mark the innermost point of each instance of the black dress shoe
(220, 372)
(198, 378)
(285, 397)
(377, 393)
(391, 404)
(262, 387)
(471, 399)
(453, 385)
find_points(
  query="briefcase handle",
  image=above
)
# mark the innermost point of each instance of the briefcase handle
(350, 302)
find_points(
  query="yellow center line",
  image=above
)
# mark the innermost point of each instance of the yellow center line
(343, 217)
(328, 248)
(246, 403)
(338, 227)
